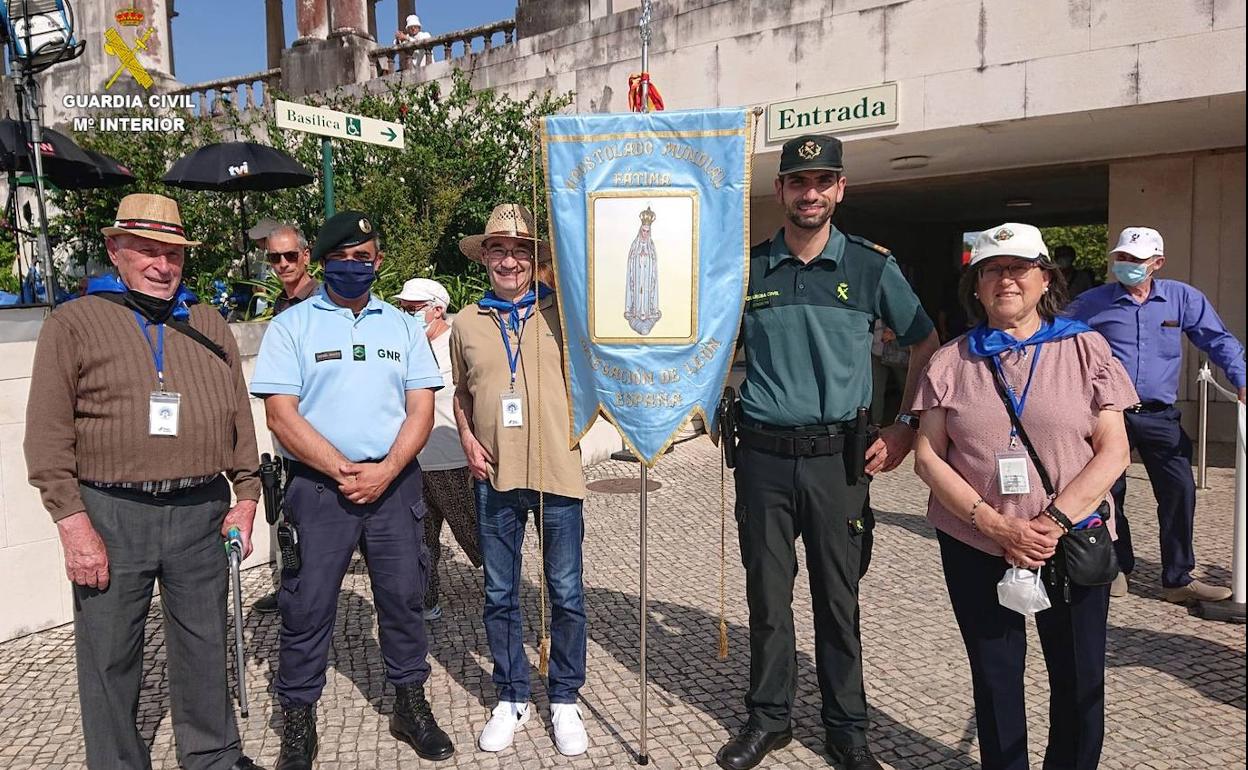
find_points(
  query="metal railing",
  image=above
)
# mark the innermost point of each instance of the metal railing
(1239, 586)
(407, 56)
(211, 96)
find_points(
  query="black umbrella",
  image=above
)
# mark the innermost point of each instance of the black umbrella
(60, 154)
(238, 167)
(105, 172)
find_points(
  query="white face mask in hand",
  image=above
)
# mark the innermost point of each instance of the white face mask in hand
(1021, 590)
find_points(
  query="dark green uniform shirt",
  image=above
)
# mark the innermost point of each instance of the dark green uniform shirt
(807, 328)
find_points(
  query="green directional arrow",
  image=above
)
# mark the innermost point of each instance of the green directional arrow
(389, 133)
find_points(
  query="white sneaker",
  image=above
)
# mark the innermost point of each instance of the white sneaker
(504, 722)
(570, 737)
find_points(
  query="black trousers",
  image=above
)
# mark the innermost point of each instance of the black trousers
(1167, 454)
(176, 540)
(1073, 639)
(389, 534)
(778, 500)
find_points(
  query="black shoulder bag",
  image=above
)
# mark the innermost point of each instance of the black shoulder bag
(1086, 556)
(173, 323)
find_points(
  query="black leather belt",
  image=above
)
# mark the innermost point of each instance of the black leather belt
(814, 441)
(296, 468)
(1148, 407)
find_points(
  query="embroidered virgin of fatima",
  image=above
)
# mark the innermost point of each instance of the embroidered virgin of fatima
(641, 305)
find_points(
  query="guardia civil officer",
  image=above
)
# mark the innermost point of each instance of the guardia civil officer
(348, 383)
(814, 295)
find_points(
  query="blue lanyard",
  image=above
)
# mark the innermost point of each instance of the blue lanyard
(517, 323)
(158, 349)
(1019, 402)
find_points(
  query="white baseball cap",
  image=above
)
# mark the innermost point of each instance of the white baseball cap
(1009, 240)
(1140, 242)
(425, 290)
(412, 21)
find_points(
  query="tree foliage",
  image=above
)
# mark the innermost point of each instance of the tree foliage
(1090, 242)
(465, 151)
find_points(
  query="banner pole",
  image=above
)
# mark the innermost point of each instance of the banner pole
(643, 756)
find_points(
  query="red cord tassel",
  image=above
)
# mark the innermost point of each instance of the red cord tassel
(634, 93)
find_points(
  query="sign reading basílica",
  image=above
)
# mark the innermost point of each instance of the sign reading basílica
(833, 113)
(340, 125)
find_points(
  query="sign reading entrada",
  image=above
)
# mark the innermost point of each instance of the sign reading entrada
(833, 113)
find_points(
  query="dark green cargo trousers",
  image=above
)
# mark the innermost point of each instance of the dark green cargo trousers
(779, 499)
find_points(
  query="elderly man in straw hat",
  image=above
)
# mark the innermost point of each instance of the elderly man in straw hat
(512, 411)
(138, 415)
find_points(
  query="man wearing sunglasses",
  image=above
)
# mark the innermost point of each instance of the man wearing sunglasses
(287, 252)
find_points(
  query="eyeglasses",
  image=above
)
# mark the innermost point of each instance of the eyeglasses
(278, 256)
(418, 307)
(1014, 270)
(518, 253)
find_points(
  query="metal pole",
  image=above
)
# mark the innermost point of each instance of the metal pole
(643, 756)
(327, 168)
(1232, 610)
(32, 105)
(1202, 440)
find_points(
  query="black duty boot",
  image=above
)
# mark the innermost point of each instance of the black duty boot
(749, 747)
(852, 757)
(298, 738)
(244, 763)
(413, 723)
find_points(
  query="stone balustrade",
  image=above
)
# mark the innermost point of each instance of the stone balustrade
(403, 56)
(211, 96)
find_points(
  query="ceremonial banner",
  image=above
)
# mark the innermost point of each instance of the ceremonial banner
(649, 229)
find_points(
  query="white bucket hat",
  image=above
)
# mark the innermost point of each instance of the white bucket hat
(1009, 240)
(412, 21)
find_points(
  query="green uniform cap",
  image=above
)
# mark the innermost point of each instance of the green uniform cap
(346, 228)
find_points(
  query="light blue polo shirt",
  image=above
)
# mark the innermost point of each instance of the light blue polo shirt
(351, 373)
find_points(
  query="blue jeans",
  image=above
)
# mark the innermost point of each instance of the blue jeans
(503, 517)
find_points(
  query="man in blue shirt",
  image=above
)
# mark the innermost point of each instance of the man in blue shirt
(1143, 318)
(348, 384)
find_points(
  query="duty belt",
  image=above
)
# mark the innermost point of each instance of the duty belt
(811, 441)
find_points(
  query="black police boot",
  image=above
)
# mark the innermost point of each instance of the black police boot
(265, 605)
(298, 739)
(412, 722)
(244, 763)
(852, 757)
(750, 746)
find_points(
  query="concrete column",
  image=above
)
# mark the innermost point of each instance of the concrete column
(350, 17)
(372, 19)
(157, 54)
(311, 19)
(405, 7)
(275, 26)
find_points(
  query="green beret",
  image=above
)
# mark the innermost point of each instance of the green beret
(344, 229)
(813, 152)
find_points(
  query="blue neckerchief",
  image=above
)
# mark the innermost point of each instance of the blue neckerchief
(111, 284)
(514, 319)
(493, 302)
(987, 342)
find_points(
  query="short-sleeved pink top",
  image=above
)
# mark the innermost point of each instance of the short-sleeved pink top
(1074, 379)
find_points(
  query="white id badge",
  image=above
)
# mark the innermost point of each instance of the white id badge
(513, 411)
(1012, 478)
(162, 413)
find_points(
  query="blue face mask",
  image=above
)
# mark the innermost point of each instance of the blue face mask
(349, 279)
(1130, 273)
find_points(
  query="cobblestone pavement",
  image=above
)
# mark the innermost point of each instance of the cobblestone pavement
(1176, 689)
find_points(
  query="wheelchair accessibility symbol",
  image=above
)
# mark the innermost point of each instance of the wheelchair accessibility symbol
(353, 126)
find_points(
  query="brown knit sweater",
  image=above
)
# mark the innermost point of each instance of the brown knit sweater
(87, 416)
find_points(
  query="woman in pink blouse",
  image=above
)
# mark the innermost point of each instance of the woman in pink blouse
(989, 505)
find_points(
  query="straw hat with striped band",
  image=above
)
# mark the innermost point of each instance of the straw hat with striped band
(509, 220)
(150, 216)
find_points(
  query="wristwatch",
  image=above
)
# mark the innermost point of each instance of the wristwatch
(909, 420)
